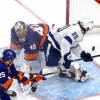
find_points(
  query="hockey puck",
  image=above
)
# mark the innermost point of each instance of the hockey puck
(93, 48)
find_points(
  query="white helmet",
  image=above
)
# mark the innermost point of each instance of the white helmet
(86, 25)
(20, 29)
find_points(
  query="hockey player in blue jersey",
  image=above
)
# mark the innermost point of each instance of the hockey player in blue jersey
(30, 38)
(60, 46)
(8, 72)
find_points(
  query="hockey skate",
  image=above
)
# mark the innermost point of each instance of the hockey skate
(84, 76)
(34, 86)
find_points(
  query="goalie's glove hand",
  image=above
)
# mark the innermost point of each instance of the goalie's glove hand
(36, 77)
(86, 56)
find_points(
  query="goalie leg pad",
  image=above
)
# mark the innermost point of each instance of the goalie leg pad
(80, 75)
(75, 69)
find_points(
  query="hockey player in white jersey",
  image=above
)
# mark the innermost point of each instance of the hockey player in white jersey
(61, 44)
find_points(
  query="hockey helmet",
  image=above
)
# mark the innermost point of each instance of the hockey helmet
(20, 29)
(9, 54)
(86, 25)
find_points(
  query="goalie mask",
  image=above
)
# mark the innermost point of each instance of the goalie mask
(20, 29)
(86, 26)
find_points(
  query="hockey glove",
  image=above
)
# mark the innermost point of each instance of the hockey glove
(36, 77)
(86, 56)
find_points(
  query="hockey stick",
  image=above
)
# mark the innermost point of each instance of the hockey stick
(65, 27)
(82, 59)
(65, 70)
(53, 73)
(62, 28)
